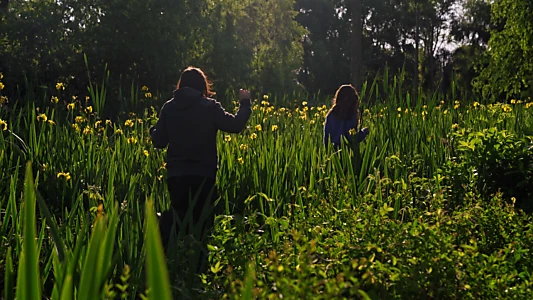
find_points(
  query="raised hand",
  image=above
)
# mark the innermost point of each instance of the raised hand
(244, 95)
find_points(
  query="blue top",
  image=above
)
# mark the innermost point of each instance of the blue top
(335, 129)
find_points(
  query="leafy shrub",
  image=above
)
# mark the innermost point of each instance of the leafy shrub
(491, 161)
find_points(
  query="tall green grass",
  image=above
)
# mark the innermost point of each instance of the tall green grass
(82, 227)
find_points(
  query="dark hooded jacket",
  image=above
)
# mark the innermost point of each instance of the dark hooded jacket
(188, 124)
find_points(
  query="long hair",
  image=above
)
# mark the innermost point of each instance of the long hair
(195, 78)
(346, 103)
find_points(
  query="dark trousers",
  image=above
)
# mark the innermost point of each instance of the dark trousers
(193, 195)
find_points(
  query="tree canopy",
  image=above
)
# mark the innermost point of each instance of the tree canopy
(275, 46)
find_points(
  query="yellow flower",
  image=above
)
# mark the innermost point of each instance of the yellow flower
(258, 127)
(507, 108)
(89, 109)
(132, 140)
(241, 160)
(445, 111)
(54, 99)
(476, 104)
(144, 88)
(455, 126)
(119, 131)
(352, 131)
(87, 130)
(140, 121)
(71, 106)
(129, 123)
(42, 117)
(456, 106)
(312, 122)
(148, 95)
(227, 138)
(145, 152)
(3, 99)
(304, 103)
(163, 166)
(253, 136)
(66, 175)
(265, 97)
(243, 146)
(1, 75)
(76, 127)
(528, 105)
(78, 119)
(513, 101)
(108, 122)
(51, 122)
(97, 123)
(3, 124)
(274, 127)
(87, 98)
(2, 86)
(60, 86)
(399, 109)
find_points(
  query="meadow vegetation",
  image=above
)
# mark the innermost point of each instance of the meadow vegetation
(434, 204)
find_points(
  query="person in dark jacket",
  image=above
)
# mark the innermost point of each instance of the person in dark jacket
(188, 124)
(342, 120)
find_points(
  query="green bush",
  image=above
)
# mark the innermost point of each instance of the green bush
(492, 161)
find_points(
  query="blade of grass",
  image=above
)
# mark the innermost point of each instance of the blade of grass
(156, 266)
(28, 281)
(8, 280)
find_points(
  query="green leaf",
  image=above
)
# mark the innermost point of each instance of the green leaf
(156, 267)
(364, 295)
(50, 221)
(66, 292)
(249, 279)
(89, 288)
(216, 268)
(8, 280)
(28, 280)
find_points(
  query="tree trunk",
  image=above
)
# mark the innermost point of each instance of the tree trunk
(417, 48)
(357, 39)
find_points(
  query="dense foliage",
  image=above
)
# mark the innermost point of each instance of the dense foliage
(433, 208)
(435, 203)
(273, 46)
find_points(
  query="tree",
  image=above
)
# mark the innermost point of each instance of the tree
(357, 39)
(509, 72)
(471, 30)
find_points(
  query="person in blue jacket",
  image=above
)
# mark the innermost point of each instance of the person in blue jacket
(342, 120)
